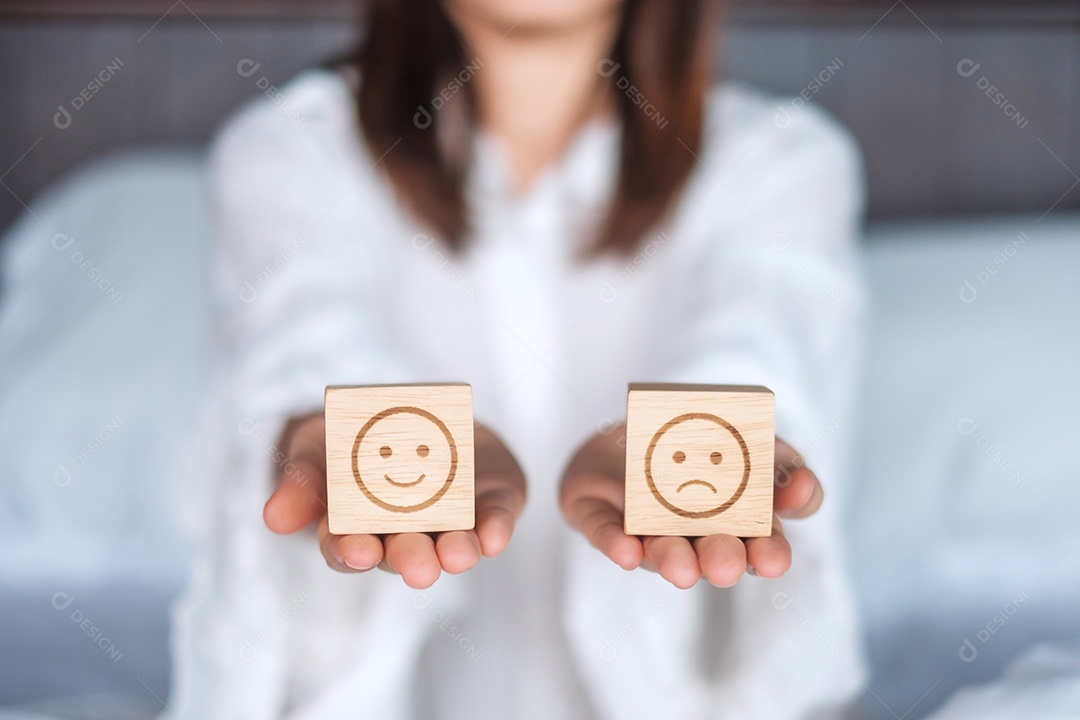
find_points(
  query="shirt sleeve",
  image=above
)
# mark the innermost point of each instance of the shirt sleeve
(780, 305)
(300, 267)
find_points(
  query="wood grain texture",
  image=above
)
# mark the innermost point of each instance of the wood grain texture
(699, 460)
(399, 458)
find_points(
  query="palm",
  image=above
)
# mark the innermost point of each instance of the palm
(592, 500)
(300, 501)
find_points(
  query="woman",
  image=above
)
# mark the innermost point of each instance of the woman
(546, 201)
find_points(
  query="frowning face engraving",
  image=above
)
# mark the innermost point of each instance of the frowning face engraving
(697, 465)
(404, 459)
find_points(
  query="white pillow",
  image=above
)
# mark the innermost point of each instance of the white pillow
(103, 323)
(964, 519)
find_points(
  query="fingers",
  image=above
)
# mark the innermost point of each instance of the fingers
(419, 559)
(769, 556)
(602, 525)
(497, 508)
(458, 551)
(673, 558)
(300, 497)
(413, 557)
(494, 525)
(500, 492)
(349, 553)
(597, 469)
(722, 559)
(592, 496)
(299, 500)
(798, 493)
(811, 506)
(592, 503)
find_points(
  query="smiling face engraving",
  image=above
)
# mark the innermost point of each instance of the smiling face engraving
(697, 465)
(404, 459)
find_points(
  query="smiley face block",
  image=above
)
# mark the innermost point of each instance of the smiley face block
(699, 460)
(399, 458)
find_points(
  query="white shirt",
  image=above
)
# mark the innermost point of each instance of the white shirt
(327, 279)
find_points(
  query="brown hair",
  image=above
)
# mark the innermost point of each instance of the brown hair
(658, 70)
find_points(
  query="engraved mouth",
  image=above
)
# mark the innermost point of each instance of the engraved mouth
(417, 481)
(695, 481)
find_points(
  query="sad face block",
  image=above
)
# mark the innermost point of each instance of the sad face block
(399, 458)
(699, 460)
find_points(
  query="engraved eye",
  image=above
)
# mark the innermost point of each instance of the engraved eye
(679, 456)
(716, 458)
(422, 450)
(385, 451)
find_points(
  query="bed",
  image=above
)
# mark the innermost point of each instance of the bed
(962, 528)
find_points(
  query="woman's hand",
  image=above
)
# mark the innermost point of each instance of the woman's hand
(592, 499)
(419, 558)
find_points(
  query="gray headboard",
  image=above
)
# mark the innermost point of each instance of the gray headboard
(960, 106)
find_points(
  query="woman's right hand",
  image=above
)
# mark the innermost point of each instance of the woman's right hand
(300, 500)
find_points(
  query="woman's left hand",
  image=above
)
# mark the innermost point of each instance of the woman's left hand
(592, 499)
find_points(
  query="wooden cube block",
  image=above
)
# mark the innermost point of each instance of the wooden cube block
(699, 460)
(399, 458)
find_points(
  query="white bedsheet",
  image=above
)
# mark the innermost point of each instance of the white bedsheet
(951, 543)
(964, 526)
(101, 315)
(1044, 684)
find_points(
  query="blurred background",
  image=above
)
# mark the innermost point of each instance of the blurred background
(963, 527)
